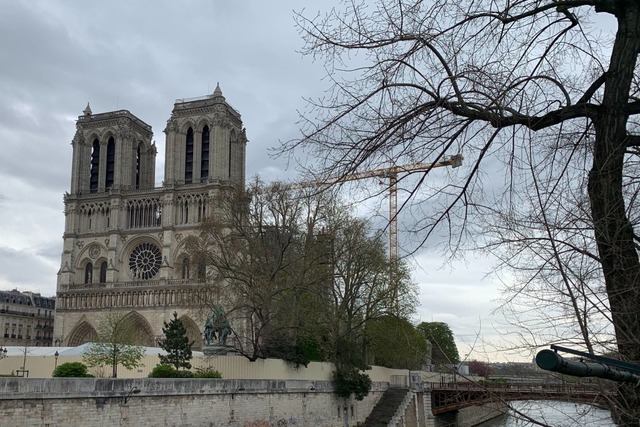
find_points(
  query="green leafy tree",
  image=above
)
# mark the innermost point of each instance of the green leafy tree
(260, 246)
(395, 343)
(71, 369)
(349, 380)
(365, 285)
(115, 346)
(443, 347)
(176, 344)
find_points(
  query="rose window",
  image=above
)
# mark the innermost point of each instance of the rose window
(145, 261)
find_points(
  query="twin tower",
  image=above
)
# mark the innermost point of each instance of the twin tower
(124, 237)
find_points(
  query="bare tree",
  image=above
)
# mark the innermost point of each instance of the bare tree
(501, 82)
(115, 345)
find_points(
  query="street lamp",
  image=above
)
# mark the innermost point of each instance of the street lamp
(56, 354)
(134, 390)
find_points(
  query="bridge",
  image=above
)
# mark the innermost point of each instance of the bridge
(448, 397)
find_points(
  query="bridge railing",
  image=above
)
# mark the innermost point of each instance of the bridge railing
(560, 387)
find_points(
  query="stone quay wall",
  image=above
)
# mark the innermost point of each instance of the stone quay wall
(62, 402)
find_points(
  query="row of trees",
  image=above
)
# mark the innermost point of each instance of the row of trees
(115, 344)
(301, 277)
(394, 342)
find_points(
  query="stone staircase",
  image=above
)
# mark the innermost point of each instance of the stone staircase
(386, 408)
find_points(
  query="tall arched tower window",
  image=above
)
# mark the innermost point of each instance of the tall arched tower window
(111, 162)
(232, 140)
(188, 159)
(204, 163)
(138, 164)
(103, 272)
(95, 167)
(88, 273)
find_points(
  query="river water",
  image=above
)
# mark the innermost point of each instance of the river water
(555, 414)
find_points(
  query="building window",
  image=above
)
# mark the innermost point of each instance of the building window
(188, 160)
(204, 162)
(202, 270)
(232, 140)
(185, 268)
(111, 162)
(103, 272)
(88, 273)
(138, 165)
(95, 167)
(145, 261)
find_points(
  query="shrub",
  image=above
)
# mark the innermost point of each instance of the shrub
(351, 380)
(71, 369)
(206, 373)
(168, 371)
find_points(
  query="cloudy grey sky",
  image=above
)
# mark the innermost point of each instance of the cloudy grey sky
(56, 56)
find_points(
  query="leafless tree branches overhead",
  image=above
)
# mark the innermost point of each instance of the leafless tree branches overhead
(542, 104)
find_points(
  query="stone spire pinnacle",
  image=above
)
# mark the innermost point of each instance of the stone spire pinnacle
(217, 91)
(87, 111)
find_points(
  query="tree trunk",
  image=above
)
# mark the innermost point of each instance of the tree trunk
(613, 230)
(114, 363)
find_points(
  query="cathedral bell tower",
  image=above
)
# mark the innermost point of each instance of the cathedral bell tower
(124, 238)
(205, 142)
(112, 151)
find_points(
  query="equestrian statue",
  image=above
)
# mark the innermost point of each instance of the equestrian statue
(217, 326)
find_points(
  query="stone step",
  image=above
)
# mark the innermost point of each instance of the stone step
(386, 407)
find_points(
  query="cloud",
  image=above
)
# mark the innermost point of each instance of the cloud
(141, 56)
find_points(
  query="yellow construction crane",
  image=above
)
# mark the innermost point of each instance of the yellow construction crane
(392, 174)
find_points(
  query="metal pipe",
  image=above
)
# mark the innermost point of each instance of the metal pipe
(549, 360)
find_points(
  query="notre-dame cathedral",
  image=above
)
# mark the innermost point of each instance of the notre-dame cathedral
(124, 237)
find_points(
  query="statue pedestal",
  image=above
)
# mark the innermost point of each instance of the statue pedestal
(218, 350)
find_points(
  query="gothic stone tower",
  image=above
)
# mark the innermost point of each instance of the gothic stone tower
(123, 239)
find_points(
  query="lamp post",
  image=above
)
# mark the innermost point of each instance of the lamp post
(56, 354)
(134, 390)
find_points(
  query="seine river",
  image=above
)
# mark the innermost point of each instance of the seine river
(555, 414)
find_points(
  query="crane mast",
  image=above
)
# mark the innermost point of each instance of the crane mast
(392, 173)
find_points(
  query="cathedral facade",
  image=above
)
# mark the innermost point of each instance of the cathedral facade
(124, 238)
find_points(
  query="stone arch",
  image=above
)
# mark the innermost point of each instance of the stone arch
(84, 256)
(92, 137)
(146, 145)
(193, 332)
(143, 333)
(178, 256)
(200, 124)
(82, 333)
(108, 133)
(184, 127)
